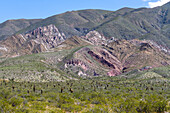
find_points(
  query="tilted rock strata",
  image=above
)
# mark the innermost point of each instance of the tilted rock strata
(42, 39)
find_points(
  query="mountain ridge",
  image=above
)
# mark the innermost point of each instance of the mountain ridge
(83, 21)
(97, 42)
(122, 24)
(10, 27)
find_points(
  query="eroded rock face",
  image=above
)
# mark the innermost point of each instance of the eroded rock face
(49, 36)
(135, 54)
(77, 62)
(150, 44)
(42, 39)
(97, 61)
(77, 66)
(118, 57)
(95, 38)
(107, 60)
(103, 61)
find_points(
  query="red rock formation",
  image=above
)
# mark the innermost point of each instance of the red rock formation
(77, 62)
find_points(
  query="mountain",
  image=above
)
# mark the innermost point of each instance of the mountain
(10, 27)
(126, 23)
(90, 55)
(96, 42)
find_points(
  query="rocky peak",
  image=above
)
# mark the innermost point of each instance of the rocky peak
(47, 35)
(95, 37)
(38, 40)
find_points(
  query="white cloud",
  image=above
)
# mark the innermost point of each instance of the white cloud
(158, 3)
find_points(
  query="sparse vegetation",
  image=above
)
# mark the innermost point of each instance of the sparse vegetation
(101, 94)
(29, 84)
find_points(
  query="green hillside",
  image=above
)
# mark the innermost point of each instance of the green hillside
(126, 23)
(12, 26)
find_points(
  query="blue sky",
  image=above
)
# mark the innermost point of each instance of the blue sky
(30, 9)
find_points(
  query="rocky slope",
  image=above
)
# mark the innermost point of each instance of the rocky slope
(89, 55)
(45, 39)
(115, 58)
(95, 38)
(42, 39)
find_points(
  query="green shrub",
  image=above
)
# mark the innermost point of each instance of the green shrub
(15, 101)
(71, 107)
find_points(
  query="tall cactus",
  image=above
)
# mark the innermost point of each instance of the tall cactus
(34, 88)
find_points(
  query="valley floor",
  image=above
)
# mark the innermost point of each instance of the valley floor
(97, 95)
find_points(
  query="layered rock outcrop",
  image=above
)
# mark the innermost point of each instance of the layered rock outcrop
(42, 39)
(95, 38)
(49, 36)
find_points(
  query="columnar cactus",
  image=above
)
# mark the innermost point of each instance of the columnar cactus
(62, 90)
(34, 88)
(71, 90)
